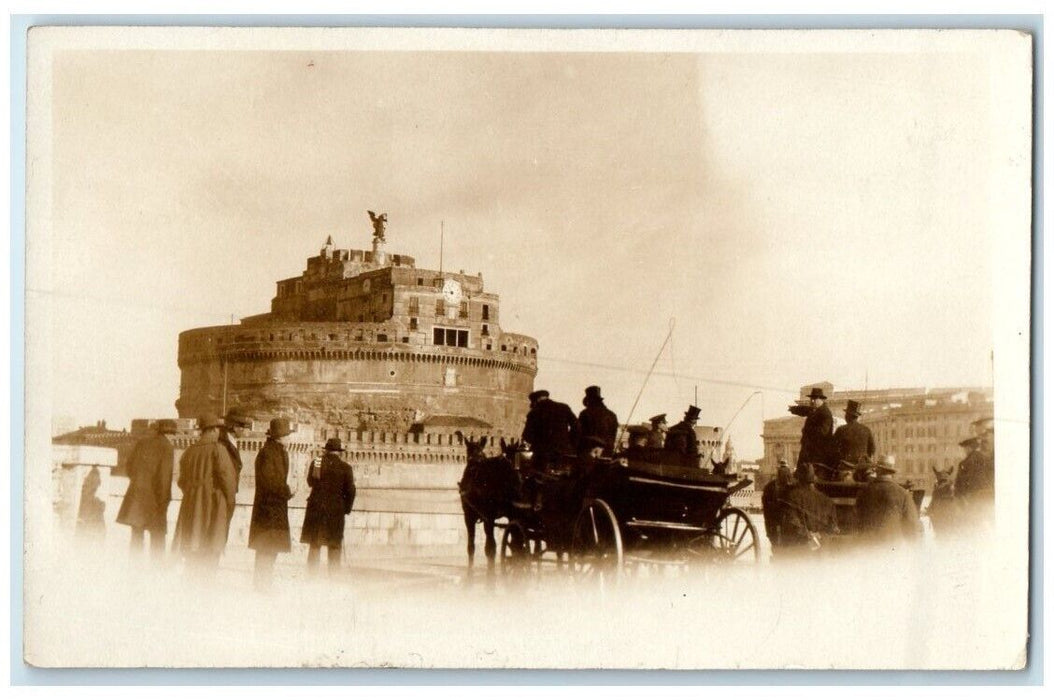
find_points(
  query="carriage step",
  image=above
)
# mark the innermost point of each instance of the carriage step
(633, 522)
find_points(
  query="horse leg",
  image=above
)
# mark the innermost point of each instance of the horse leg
(470, 527)
(490, 547)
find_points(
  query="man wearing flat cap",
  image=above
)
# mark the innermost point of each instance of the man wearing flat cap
(816, 434)
(206, 478)
(551, 430)
(597, 420)
(145, 504)
(332, 496)
(269, 527)
(682, 440)
(885, 511)
(657, 433)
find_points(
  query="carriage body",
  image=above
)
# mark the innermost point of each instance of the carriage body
(606, 513)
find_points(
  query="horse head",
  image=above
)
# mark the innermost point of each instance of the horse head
(945, 485)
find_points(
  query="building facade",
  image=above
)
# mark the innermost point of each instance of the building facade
(365, 341)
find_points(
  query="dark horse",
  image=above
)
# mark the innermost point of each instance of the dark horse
(488, 488)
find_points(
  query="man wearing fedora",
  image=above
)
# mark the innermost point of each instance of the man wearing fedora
(805, 513)
(235, 423)
(597, 420)
(816, 433)
(145, 504)
(681, 438)
(269, 527)
(551, 430)
(885, 511)
(332, 496)
(206, 478)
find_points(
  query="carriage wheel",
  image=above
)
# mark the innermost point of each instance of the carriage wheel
(596, 542)
(734, 538)
(515, 549)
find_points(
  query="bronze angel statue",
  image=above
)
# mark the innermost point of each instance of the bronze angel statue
(379, 222)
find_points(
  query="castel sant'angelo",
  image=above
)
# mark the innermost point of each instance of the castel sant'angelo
(363, 340)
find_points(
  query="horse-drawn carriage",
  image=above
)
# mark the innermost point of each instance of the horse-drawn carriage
(603, 516)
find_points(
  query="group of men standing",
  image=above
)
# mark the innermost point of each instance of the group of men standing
(555, 433)
(209, 475)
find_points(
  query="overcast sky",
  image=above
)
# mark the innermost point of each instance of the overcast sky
(799, 216)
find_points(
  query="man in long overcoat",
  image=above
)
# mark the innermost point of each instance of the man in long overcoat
(597, 420)
(681, 438)
(145, 504)
(885, 512)
(771, 496)
(332, 496)
(816, 433)
(975, 480)
(234, 425)
(805, 513)
(853, 441)
(269, 528)
(206, 478)
(551, 429)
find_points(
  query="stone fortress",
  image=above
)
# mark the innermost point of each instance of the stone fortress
(365, 341)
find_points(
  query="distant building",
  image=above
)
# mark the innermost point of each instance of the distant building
(921, 427)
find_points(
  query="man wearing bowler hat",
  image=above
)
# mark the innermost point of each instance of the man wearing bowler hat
(681, 438)
(597, 420)
(332, 496)
(269, 527)
(206, 478)
(885, 511)
(816, 433)
(551, 430)
(145, 504)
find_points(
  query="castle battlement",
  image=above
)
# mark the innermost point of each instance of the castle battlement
(363, 339)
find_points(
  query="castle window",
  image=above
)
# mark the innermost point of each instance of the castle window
(413, 306)
(382, 338)
(463, 311)
(534, 351)
(489, 345)
(486, 312)
(440, 307)
(486, 330)
(504, 348)
(413, 323)
(420, 281)
(452, 337)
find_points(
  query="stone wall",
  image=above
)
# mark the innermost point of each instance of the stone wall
(350, 383)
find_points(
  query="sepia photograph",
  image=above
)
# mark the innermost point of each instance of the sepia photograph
(527, 349)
